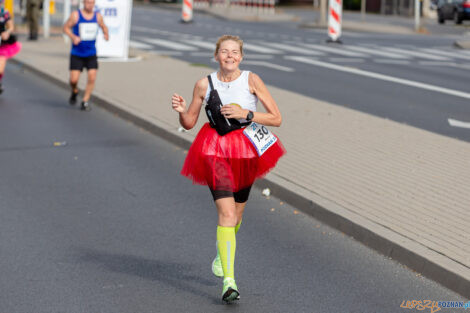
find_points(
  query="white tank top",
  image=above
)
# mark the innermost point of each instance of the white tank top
(237, 91)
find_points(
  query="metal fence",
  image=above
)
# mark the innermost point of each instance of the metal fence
(252, 6)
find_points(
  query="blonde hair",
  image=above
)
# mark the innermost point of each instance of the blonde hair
(228, 37)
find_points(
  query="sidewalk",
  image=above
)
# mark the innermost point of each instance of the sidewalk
(307, 17)
(400, 190)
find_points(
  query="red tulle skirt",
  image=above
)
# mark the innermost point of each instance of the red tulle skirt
(227, 162)
(9, 50)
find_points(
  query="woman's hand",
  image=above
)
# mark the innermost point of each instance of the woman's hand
(5, 35)
(178, 103)
(233, 111)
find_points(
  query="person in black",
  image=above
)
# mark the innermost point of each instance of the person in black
(32, 17)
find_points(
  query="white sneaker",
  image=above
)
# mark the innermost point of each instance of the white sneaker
(217, 267)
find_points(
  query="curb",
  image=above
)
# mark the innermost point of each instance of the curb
(462, 44)
(429, 263)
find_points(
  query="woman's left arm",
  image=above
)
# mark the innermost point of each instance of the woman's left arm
(272, 117)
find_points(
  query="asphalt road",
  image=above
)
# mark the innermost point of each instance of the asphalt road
(356, 74)
(102, 221)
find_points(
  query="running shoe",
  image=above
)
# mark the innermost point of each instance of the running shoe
(73, 98)
(85, 106)
(217, 267)
(230, 292)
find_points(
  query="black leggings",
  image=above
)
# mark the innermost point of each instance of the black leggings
(240, 196)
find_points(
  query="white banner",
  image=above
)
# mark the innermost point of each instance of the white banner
(117, 17)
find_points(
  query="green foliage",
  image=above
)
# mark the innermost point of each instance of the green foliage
(352, 5)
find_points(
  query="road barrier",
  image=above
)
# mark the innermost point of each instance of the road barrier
(334, 20)
(187, 11)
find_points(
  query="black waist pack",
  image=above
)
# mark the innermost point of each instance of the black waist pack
(9, 41)
(217, 121)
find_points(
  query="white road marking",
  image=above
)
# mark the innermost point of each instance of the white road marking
(460, 124)
(257, 48)
(375, 51)
(154, 31)
(271, 65)
(119, 60)
(139, 45)
(346, 60)
(388, 61)
(200, 43)
(434, 63)
(257, 56)
(380, 76)
(185, 36)
(293, 49)
(335, 50)
(169, 44)
(405, 46)
(163, 52)
(417, 54)
(452, 54)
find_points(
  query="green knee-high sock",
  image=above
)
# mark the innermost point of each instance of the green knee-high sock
(236, 231)
(238, 227)
(226, 244)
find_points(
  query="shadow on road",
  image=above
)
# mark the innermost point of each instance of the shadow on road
(176, 275)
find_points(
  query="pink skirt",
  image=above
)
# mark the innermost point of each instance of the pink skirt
(228, 162)
(9, 50)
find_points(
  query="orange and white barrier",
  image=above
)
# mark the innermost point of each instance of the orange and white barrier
(335, 19)
(187, 11)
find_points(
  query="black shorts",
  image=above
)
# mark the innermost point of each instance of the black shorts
(78, 63)
(240, 196)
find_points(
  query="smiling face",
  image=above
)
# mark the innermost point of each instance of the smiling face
(229, 55)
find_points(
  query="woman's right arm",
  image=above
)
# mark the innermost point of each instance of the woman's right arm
(188, 118)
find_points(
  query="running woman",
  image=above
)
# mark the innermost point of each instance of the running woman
(8, 46)
(82, 28)
(229, 164)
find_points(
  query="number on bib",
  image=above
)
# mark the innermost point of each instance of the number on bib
(88, 31)
(261, 138)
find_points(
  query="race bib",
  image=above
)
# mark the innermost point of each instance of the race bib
(261, 138)
(88, 31)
